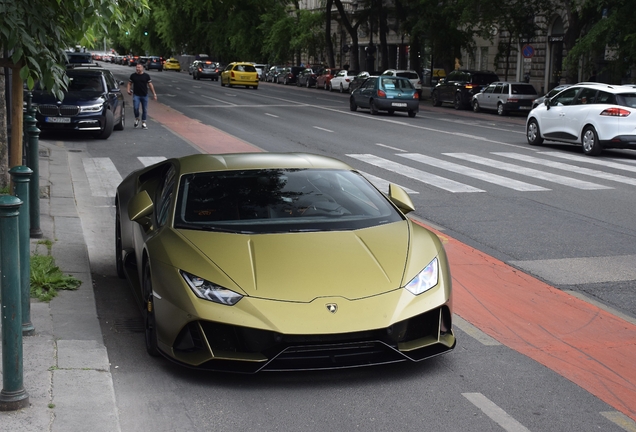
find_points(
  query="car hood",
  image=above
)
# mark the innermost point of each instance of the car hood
(72, 97)
(303, 266)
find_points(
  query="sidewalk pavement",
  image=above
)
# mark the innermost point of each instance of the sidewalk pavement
(66, 367)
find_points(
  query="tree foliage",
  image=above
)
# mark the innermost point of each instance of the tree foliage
(36, 33)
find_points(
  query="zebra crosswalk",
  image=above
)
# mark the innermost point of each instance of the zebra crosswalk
(471, 173)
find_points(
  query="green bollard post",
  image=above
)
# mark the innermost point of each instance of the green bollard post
(33, 162)
(20, 176)
(13, 396)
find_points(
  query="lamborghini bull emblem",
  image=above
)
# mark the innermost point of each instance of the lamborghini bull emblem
(332, 307)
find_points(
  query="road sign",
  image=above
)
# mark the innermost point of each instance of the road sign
(527, 51)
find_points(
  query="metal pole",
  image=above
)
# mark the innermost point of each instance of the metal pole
(13, 395)
(33, 162)
(20, 175)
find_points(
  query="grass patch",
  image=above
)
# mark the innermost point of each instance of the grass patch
(47, 278)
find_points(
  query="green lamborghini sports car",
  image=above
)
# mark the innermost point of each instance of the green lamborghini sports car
(263, 261)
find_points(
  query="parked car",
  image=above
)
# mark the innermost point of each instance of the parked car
(272, 73)
(260, 69)
(240, 73)
(594, 116)
(386, 93)
(411, 75)
(206, 69)
(78, 58)
(459, 87)
(307, 78)
(93, 103)
(290, 75)
(215, 248)
(325, 77)
(154, 62)
(538, 101)
(505, 97)
(342, 80)
(172, 64)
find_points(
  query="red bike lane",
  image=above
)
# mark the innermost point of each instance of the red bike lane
(585, 344)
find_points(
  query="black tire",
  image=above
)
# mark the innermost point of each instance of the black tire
(533, 134)
(308, 84)
(457, 103)
(501, 110)
(330, 87)
(222, 85)
(108, 125)
(412, 113)
(590, 142)
(476, 106)
(119, 256)
(352, 104)
(326, 87)
(285, 81)
(149, 314)
(435, 99)
(122, 120)
(194, 77)
(341, 88)
(372, 108)
(391, 112)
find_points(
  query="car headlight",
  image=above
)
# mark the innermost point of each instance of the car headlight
(426, 279)
(91, 108)
(207, 290)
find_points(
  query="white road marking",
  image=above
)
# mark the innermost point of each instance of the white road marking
(422, 176)
(568, 167)
(219, 100)
(389, 147)
(471, 172)
(103, 177)
(591, 160)
(322, 129)
(271, 115)
(150, 160)
(531, 172)
(496, 414)
(474, 332)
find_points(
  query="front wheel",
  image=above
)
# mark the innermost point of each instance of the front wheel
(341, 89)
(501, 110)
(591, 145)
(108, 125)
(122, 120)
(149, 314)
(352, 104)
(476, 107)
(533, 134)
(412, 113)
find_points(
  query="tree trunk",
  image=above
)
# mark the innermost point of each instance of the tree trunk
(331, 59)
(353, 32)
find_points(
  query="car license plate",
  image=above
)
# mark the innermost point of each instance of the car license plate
(57, 119)
(398, 104)
(524, 108)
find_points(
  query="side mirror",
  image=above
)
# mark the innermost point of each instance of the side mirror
(400, 198)
(140, 207)
(546, 102)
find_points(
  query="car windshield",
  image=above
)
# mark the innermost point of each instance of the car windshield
(391, 83)
(208, 66)
(280, 200)
(245, 68)
(90, 82)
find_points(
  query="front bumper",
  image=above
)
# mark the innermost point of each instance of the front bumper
(80, 122)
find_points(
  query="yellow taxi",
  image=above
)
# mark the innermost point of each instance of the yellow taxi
(172, 64)
(240, 73)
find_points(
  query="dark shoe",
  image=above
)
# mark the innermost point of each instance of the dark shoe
(136, 122)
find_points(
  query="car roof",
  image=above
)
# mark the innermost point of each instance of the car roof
(247, 161)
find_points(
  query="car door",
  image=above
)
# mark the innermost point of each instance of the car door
(557, 121)
(115, 96)
(367, 90)
(484, 99)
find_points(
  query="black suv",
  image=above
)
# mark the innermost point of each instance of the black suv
(93, 103)
(459, 87)
(290, 75)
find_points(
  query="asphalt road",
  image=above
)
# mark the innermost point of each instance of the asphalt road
(548, 211)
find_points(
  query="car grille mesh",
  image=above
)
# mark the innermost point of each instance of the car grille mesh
(54, 110)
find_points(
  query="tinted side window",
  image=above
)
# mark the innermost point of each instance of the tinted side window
(587, 96)
(564, 98)
(165, 196)
(523, 89)
(489, 89)
(110, 81)
(498, 89)
(605, 98)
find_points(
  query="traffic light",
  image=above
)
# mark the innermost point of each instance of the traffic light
(145, 33)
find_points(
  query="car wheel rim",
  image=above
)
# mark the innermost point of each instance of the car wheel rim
(588, 140)
(532, 131)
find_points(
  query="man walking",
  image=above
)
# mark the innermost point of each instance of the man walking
(140, 82)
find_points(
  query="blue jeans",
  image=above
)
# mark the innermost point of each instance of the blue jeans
(144, 106)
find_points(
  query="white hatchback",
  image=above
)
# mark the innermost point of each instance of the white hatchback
(411, 75)
(595, 116)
